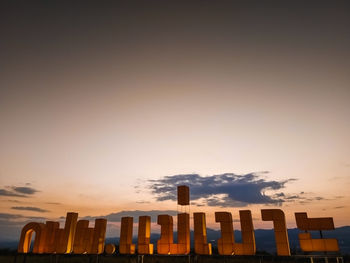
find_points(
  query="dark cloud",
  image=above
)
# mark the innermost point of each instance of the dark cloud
(224, 190)
(280, 194)
(30, 208)
(197, 204)
(18, 191)
(4, 192)
(305, 198)
(53, 203)
(7, 216)
(11, 225)
(25, 190)
(116, 217)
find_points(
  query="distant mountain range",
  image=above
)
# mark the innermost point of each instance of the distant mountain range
(265, 240)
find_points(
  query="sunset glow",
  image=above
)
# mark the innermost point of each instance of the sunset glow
(105, 110)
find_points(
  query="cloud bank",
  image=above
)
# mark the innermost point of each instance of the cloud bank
(18, 191)
(30, 208)
(224, 190)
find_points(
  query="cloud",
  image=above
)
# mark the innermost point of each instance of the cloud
(224, 190)
(25, 190)
(116, 217)
(143, 202)
(11, 225)
(4, 192)
(18, 191)
(30, 208)
(7, 216)
(304, 198)
(13, 201)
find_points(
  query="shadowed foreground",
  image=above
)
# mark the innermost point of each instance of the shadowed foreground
(53, 258)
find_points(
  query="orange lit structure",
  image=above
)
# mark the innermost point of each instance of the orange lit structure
(49, 237)
(247, 247)
(82, 237)
(226, 241)
(110, 249)
(90, 240)
(144, 235)
(309, 244)
(183, 235)
(125, 243)
(201, 246)
(183, 195)
(99, 236)
(166, 245)
(26, 237)
(279, 225)
(65, 237)
(227, 244)
(78, 238)
(166, 234)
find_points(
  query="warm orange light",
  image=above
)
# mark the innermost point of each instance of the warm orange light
(26, 237)
(279, 225)
(247, 247)
(309, 244)
(201, 246)
(125, 244)
(77, 237)
(166, 245)
(144, 234)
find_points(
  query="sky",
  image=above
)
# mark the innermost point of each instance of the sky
(106, 107)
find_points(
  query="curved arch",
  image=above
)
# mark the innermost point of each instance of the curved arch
(26, 237)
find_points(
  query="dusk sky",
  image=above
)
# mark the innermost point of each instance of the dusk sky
(104, 107)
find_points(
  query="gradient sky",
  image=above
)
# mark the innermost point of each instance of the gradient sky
(99, 102)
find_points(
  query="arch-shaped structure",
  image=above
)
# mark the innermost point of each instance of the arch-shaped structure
(26, 237)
